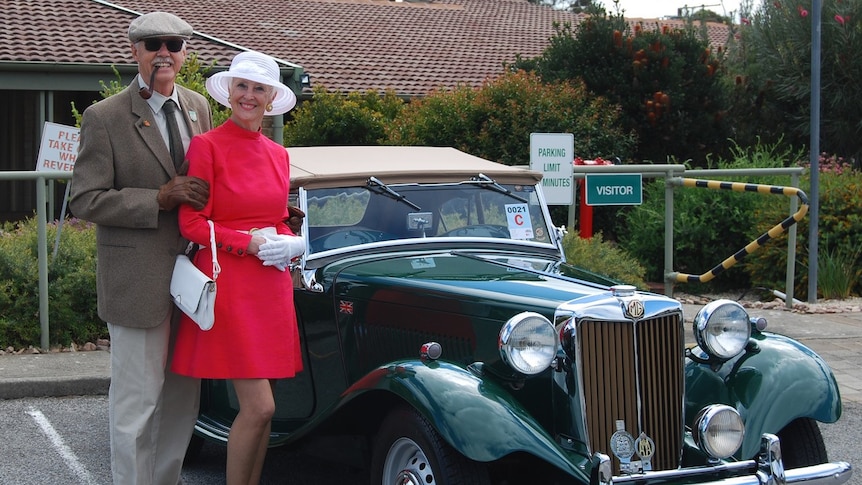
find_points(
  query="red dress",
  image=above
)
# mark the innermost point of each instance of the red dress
(255, 333)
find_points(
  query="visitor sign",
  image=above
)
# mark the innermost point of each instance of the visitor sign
(614, 189)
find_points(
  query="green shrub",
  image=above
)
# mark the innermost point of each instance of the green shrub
(71, 283)
(337, 119)
(603, 258)
(193, 75)
(495, 122)
(837, 273)
(443, 118)
(839, 226)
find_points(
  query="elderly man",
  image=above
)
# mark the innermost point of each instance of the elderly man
(128, 181)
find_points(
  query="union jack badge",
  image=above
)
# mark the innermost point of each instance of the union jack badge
(345, 307)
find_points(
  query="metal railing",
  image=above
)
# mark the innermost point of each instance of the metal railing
(42, 178)
(669, 172)
(673, 175)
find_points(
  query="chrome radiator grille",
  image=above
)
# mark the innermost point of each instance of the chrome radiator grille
(634, 372)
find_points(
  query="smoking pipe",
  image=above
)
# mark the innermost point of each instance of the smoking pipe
(147, 91)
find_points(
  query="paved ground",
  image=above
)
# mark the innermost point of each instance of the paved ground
(837, 337)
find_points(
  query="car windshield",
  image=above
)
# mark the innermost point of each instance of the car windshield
(341, 217)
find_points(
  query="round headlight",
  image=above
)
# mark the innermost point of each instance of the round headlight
(528, 343)
(722, 329)
(718, 431)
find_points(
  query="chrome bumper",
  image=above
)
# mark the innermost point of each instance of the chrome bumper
(767, 469)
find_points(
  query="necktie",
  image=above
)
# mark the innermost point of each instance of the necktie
(175, 140)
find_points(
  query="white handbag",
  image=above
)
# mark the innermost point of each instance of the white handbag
(193, 291)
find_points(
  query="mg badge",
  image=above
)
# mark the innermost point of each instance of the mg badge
(635, 308)
(645, 448)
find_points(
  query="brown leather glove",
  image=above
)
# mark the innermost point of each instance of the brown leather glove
(294, 219)
(183, 189)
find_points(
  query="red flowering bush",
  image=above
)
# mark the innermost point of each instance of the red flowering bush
(774, 65)
(667, 82)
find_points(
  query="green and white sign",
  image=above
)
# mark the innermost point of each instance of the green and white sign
(614, 189)
(553, 154)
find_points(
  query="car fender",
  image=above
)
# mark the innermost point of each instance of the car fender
(775, 381)
(476, 417)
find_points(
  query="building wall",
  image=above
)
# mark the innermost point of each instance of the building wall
(22, 118)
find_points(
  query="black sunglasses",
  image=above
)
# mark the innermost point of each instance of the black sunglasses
(154, 45)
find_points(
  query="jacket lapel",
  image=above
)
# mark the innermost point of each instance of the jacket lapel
(191, 114)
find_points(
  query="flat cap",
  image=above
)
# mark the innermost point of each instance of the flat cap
(158, 24)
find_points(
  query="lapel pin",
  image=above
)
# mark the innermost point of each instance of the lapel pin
(146, 122)
(193, 115)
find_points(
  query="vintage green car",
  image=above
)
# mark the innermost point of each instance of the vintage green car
(446, 341)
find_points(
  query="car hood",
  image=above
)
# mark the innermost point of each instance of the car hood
(475, 280)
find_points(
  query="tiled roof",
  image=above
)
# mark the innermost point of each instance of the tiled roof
(410, 46)
(76, 32)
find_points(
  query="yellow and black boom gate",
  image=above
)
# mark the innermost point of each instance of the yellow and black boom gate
(775, 231)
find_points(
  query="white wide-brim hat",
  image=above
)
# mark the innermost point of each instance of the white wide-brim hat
(256, 67)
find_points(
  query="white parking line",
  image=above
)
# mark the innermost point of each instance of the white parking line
(64, 451)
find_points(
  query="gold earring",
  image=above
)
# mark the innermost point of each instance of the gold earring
(269, 107)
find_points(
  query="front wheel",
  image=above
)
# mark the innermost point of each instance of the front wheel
(802, 444)
(408, 451)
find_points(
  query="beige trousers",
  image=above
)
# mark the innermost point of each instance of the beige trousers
(152, 411)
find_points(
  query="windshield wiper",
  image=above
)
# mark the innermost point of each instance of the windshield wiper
(489, 183)
(379, 187)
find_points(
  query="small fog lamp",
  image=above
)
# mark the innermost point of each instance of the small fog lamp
(718, 431)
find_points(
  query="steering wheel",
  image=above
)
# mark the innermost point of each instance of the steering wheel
(348, 237)
(480, 230)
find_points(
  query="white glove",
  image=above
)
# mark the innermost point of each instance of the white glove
(280, 249)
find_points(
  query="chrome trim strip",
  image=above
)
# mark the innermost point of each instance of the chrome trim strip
(826, 474)
(835, 473)
(767, 470)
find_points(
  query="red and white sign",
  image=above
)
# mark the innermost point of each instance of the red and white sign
(59, 148)
(518, 219)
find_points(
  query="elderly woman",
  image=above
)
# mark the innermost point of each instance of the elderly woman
(254, 339)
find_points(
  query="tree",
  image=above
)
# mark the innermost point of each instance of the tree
(576, 6)
(706, 15)
(774, 60)
(667, 82)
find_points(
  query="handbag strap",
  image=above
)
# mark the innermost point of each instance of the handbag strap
(216, 267)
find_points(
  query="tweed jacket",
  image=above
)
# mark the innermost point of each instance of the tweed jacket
(122, 161)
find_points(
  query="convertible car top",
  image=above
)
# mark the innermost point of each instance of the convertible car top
(326, 167)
